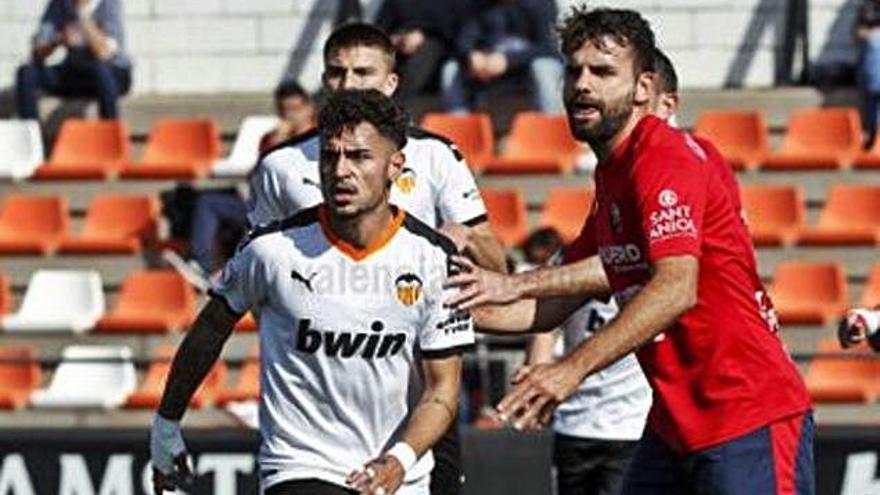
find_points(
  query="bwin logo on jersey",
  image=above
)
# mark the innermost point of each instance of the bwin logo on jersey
(409, 288)
(347, 344)
(406, 181)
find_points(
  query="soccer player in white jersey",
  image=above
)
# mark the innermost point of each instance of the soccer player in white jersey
(435, 185)
(350, 300)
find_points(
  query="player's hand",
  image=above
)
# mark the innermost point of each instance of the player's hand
(477, 286)
(171, 463)
(537, 391)
(382, 476)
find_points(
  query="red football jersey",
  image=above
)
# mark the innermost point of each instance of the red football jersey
(721, 370)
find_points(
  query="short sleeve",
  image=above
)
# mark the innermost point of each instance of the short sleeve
(671, 198)
(459, 200)
(243, 282)
(278, 190)
(446, 331)
(584, 245)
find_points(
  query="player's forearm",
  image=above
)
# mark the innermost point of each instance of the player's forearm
(656, 307)
(486, 251)
(540, 349)
(525, 315)
(583, 278)
(435, 412)
(194, 359)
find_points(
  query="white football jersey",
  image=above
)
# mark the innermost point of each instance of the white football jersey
(435, 185)
(611, 404)
(341, 331)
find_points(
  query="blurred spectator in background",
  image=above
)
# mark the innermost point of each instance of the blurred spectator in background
(867, 33)
(295, 108)
(94, 66)
(423, 33)
(509, 37)
(539, 247)
(860, 325)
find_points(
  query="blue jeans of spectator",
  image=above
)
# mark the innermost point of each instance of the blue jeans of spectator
(460, 91)
(869, 83)
(214, 208)
(101, 80)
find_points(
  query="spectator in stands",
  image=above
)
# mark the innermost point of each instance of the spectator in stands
(867, 33)
(423, 33)
(95, 65)
(860, 325)
(539, 247)
(296, 110)
(510, 37)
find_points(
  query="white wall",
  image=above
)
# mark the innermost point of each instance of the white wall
(209, 46)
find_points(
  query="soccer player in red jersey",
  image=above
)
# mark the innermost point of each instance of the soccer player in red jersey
(731, 414)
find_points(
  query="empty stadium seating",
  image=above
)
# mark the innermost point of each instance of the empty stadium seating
(471, 133)
(741, 136)
(91, 377)
(821, 138)
(20, 374)
(115, 224)
(177, 149)
(246, 149)
(851, 216)
(87, 149)
(809, 293)
(775, 214)
(247, 387)
(843, 379)
(5, 295)
(59, 301)
(537, 143)
(871, 293)
(32, 224)
(148, 395)
(151, 301)
(565, 209)
(507, 214)
(246, 324)
(21, 148)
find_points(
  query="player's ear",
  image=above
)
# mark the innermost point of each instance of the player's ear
(395, 165)
(389, 87)
(645, 83)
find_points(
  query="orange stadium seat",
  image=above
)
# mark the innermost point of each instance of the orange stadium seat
(821, 138)
(741, 136)
(869, 159)
(32, 224)
(248, 385)
(871, 293)
(177, 149)
(537, 143)
(87, 149)
(20, 374)
(247, 323)
(775, 214)
(5, 295)
(565, 209)
(150, 391)
(850, 217)
(809, 293)
(506, 209)
(471, 133)
(115, 224)
(151, 301)
(843, 379)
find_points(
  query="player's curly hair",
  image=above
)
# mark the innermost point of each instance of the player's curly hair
(626, 27)
(347, 108)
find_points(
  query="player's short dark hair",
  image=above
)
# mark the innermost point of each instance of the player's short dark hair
(289, 88)
(347, 108)
(667, 78)
(626, 27)
(353, 34)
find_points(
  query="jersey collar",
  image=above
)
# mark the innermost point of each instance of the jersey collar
(354, 252)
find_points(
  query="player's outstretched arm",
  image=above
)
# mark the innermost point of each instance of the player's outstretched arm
(525, 315)
(478, 286)
(197, 354)
(431, 418)
(671, 291)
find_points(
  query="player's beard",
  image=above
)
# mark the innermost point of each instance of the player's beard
(612, 119)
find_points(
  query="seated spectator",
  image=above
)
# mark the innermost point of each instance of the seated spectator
(423, 33)
(867, 32)
(510, 37)
(95, 66)
(296, 110)
(539, 248)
